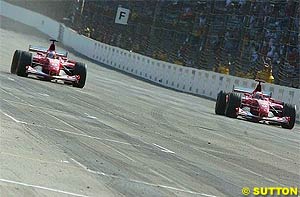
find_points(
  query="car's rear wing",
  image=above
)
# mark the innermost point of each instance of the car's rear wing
(249, 91)
(44, 50)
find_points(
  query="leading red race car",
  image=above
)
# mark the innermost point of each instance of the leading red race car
(49, 64)
(256, 106)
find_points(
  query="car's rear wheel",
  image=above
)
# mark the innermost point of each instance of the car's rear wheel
(220, 103)
(25, 60)
(234, 102)
(81, 70)
(289, 111)
(15, 61)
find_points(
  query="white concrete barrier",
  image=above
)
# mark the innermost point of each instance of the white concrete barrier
(33, 19)
(199, 82)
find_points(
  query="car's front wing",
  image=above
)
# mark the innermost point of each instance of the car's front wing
(33, 71)
(249, 115)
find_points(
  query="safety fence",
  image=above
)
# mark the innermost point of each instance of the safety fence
(185, 79)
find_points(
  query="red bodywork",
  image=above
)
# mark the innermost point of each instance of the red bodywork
(261, 107)
(51, 68)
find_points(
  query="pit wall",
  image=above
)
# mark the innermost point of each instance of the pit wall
(185, 79)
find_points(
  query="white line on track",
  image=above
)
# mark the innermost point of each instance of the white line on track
(43, 94)
(89, 116)
(15, 120)
(139, 182)
(11, 79)
(163, 149)
(41, 187)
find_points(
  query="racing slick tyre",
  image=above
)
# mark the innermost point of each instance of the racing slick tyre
(234, 102)
(15, 61)
(290, 111)
(25, 60)
(80, 69)
(220, 103)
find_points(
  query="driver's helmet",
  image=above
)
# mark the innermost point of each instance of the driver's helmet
(258, 95)
(51, 54)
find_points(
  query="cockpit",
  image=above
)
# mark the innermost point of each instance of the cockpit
(51, 55)
(258, 95)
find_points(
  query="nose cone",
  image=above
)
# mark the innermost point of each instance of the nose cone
(54, 66)
(264, 108)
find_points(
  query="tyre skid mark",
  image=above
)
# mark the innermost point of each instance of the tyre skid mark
(250, 145)
(91, 137)
(83, 133)
(137, 181)
(220, 158)
(41, 187)
(60, 162)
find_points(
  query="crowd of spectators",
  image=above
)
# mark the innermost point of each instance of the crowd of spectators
(206, 34)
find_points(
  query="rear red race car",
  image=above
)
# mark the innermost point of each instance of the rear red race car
(255, 106)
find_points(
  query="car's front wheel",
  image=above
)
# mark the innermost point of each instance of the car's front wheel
(220, 103)
(25, 60)
(289, 111)
(80, 70)
(15, 61)
(234, 102)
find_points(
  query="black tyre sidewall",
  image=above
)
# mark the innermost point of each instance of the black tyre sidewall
(290, 111)
(15, 61)
(81, 70)
(234, 101)
(25, 60)
(220, 103)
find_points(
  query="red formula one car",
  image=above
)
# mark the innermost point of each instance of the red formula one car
(256, 106)
(49, 64)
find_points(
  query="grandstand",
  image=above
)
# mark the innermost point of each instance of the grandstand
(201, 34)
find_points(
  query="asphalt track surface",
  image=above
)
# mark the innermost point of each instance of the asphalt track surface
(120, 136)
